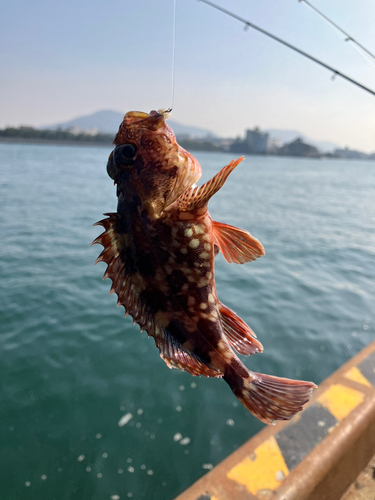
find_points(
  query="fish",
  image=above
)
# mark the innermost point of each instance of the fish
(160, 248)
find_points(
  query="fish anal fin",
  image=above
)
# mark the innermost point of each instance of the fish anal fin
(176, 355)
(236, 245)
(196, 198)
(239, 334)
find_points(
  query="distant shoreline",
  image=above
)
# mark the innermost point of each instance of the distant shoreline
(189, 145)
(53, 142)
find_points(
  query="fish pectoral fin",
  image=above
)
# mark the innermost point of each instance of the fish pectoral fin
(236, 245)
(240, 336)
(177, 356)
(195, 198)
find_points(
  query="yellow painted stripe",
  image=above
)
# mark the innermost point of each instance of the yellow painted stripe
(340, 400)
(264, 470)
(355, 375)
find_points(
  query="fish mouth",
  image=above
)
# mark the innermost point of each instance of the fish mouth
(152, 120)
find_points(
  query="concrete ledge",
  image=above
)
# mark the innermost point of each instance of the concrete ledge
(315, 456)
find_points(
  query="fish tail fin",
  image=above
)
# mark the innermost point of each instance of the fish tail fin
(270, 398)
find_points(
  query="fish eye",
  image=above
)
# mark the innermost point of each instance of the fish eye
(123, 155)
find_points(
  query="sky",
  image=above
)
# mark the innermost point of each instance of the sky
(61, 59)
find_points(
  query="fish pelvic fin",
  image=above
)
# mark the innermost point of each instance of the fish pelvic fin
(236, 245)
(196, 198)
(270, 398)
(239, 335)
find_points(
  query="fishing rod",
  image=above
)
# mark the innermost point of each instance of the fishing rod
(348, 37)
(248, 24)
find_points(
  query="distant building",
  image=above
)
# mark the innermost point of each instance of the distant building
(255, 142)
(299, 148)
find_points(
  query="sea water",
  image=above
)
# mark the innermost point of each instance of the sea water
(88, 408)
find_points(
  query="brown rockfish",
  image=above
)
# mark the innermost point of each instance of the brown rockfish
(160, 248)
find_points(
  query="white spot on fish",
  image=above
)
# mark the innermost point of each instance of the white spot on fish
(207, 247)
(211, 298)
(204, 255)
(183, 250)
(203, 306)
(168, 269)
(194, 243)
(191, 300)
(188, 232)
(199, 229)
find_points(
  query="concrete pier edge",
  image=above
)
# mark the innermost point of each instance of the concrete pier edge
(314, 456)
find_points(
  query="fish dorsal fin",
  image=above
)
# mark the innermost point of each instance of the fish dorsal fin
(239, 334)
(195, 198)
(236, 245)
(177, 356)
(123, 284)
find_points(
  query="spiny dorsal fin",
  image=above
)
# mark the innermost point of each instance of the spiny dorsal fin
(236, 245)
(123, 284)
(197, 197)
(239, 334)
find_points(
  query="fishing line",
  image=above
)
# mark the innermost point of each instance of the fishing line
(248, 24)
(173, 51)
(348, 37)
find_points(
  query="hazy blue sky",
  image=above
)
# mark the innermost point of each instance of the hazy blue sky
(64, 58)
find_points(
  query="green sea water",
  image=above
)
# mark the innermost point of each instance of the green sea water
(71, 365)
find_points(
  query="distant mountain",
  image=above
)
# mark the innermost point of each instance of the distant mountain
(108, 122)
(287, 136)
